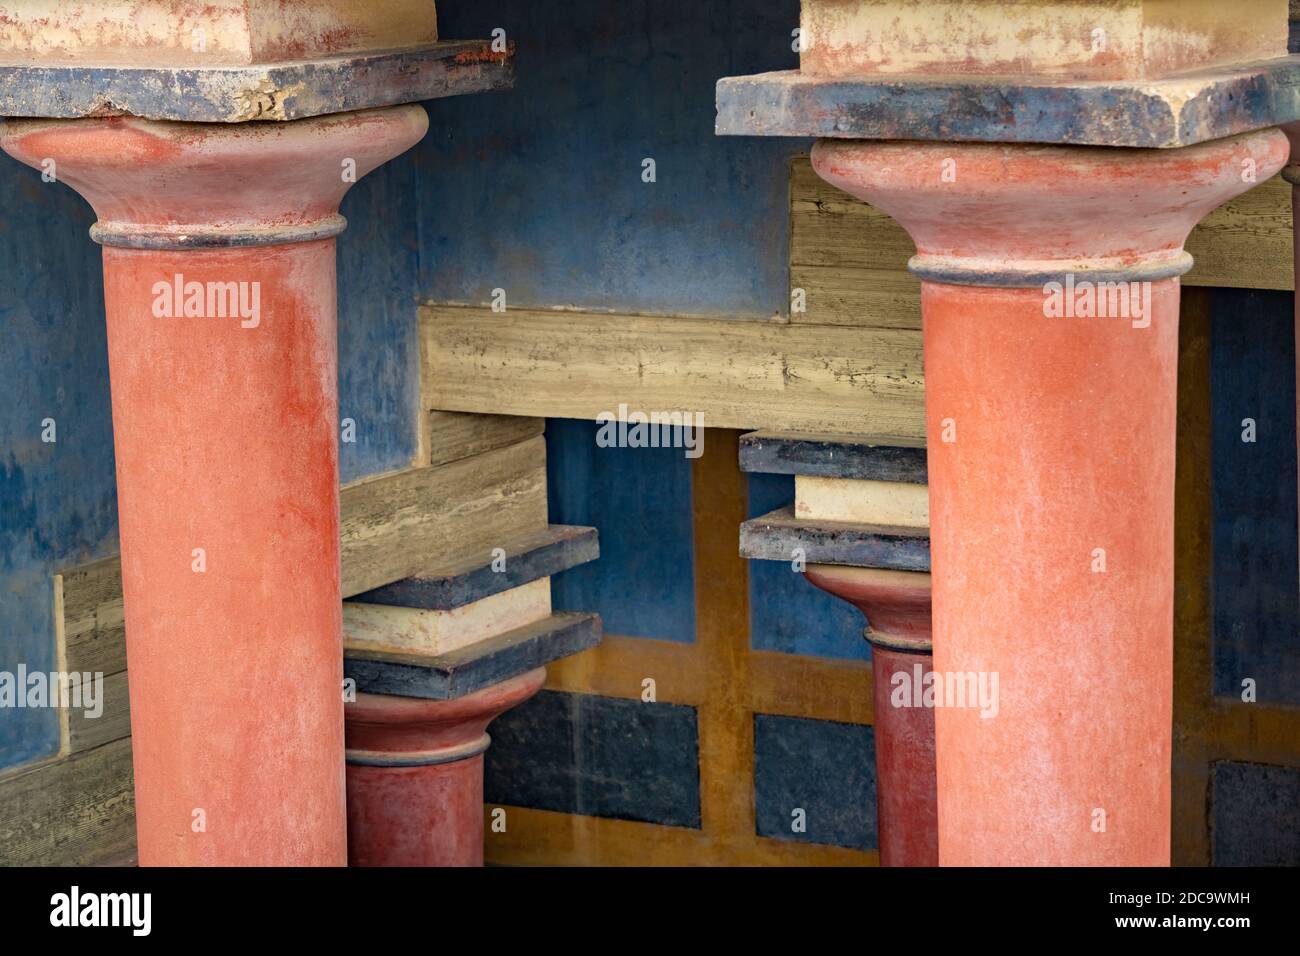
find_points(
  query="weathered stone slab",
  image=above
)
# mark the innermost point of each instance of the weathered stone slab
(283, 91)
(524, 560)
(1172, 111)
(472, 668)
(780, 536)
(834, 456)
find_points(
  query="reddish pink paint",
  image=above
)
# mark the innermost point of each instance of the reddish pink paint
(1049, 438)
(429, 813)
(897, 605)
(226, 441)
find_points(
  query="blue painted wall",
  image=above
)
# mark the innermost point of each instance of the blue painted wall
(786, 613)
(640, 500)
(539, 191)
(1256, 569)
(57, 500)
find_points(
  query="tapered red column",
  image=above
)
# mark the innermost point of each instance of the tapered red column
(897, 605)
(415, 774)
(219, 274)
(1050, 422)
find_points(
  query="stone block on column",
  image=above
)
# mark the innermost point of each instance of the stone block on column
(860, 524)
(433, 659)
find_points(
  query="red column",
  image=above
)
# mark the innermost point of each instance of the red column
(897, 607)
(1051, 473)
(415, 774)
(219, 272)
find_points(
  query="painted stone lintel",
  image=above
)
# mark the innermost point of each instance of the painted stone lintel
(479, 665)
(776, 536)
(270, 91)
(834, 456)
(1174, 111)
(527, 559)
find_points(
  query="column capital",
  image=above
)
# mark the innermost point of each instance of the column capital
(1022, 216)
(387, 731)
(896, 604)
(163, 185)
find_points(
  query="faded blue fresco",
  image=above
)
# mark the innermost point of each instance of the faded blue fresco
(57, 500)
(640, 500)
(786, 613)
(539, 191)
(1256, 569)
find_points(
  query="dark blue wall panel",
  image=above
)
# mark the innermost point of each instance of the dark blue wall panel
(825, 768)
(1256, 570)
(539, 191)
(57, 501)
(598, 756)
(640, 501)
(786, 613)
(379, 353)
(1256, 815)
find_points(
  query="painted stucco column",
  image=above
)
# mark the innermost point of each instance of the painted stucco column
(219, 275)
(415, 774)
(1050, 436)
(897, 607)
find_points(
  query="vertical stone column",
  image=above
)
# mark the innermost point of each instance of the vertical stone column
(415, 774)
(219, 273)
(1050, 426)
(897, 607)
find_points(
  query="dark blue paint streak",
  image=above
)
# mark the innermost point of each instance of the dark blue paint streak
(786, 613)
(639, 499)
(538, 191)
(1256, 575)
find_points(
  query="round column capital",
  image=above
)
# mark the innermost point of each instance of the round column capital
(386, 731)
(989, 214)
(162, 185)
(896, 604)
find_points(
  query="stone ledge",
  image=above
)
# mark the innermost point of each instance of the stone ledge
(527, 559)
(273, 91)
(776, 536)
(479, 665)
(834, 456)
(1179, 110)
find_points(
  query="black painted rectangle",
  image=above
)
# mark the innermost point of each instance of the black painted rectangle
(1255, 815)
(598, 756)
(815, 781)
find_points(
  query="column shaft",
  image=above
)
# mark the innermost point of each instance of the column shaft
(1050, 307)
(219, 274)
(897, 607)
